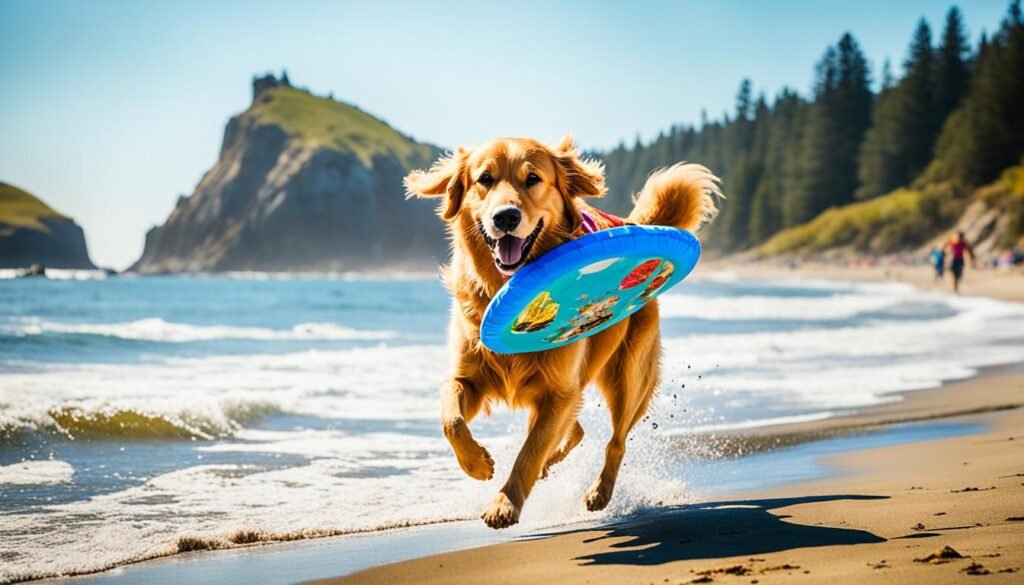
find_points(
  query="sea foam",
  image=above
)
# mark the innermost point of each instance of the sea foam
(36, 473)
(156, 329)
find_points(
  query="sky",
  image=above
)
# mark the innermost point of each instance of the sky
(110, 110)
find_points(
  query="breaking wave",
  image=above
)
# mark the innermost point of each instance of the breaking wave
(135, 419)
(155, 329)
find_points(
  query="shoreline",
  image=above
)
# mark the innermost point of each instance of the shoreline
(988, 396)
(995, 283)
(945, 402)
(882, 509)
(994, 396)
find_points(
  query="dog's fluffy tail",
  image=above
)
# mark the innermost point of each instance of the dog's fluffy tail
(683, 195)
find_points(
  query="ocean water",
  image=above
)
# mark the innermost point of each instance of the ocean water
(140, 415)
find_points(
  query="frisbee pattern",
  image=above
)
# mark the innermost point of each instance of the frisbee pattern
(585, 286)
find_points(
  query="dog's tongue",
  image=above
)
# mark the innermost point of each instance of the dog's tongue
(510, 250)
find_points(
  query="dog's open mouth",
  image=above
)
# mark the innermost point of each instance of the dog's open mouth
(509, 251)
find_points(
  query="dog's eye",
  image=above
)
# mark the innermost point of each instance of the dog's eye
(532, 179)
(486, 179)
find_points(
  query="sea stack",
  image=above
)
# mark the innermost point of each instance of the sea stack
(303, 183)
(33, 233)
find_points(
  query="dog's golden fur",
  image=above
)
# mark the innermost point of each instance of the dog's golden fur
(545, 183)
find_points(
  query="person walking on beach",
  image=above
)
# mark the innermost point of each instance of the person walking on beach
(958, 247)
(938, 256)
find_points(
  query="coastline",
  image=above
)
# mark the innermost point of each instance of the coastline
(879, 510)
(950, 401)
(996, 283)
(969, 411)
(883, 508)
(1001, 392)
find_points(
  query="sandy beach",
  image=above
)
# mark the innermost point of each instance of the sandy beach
(876, 520)
(937, 511)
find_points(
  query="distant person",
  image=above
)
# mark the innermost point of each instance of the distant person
(958, 247)
(939, 263)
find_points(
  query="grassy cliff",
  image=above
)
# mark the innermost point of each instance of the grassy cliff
(322, 122)
(302, 183)
(31, 232)
(19, 209)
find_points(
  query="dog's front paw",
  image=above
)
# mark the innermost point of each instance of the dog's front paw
(475, 461)
(598, 496)
(502, 513)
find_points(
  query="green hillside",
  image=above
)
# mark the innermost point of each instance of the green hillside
(327, 123)
(19, 209)
(902, 219)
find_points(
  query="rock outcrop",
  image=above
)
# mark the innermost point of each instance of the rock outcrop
(31, 232)
(303, 183)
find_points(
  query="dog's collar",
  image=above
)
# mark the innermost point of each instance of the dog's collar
(595, 220)
(589, 224)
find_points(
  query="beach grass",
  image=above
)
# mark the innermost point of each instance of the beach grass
(884, 224)
(1007, 194)
(902, 219)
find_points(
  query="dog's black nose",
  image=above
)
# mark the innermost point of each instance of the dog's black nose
(507, 218)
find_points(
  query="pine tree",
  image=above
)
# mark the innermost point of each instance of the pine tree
(917, 123)
(792, 168)
(878, 165)
(951, 71)
(744, 174)
(887, 79)
(837, 122)
(852, 105)
(986, 134)
(744, 103)
(769, 135)
(904, 124)
(811, 172)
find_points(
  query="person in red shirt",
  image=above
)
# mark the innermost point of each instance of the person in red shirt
(958, 247)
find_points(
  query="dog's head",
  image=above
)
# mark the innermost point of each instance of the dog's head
(513, 196)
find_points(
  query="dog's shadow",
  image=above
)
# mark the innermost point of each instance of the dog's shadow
(719, 530)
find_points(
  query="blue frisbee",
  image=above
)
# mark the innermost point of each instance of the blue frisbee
(585, 286)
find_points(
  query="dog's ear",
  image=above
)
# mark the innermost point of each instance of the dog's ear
(446, 177)
(576, 177)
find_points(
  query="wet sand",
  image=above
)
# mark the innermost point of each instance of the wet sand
(885, 517)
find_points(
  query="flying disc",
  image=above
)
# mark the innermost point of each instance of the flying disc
(585, 286)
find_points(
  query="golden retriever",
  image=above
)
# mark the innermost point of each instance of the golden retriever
(508, 202)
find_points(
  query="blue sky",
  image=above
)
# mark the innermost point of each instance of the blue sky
(110, 110)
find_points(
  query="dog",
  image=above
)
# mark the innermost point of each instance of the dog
(506, 203)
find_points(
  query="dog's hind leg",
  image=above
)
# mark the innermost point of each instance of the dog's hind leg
(460, 402)
(569, 443)
(627, 382)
